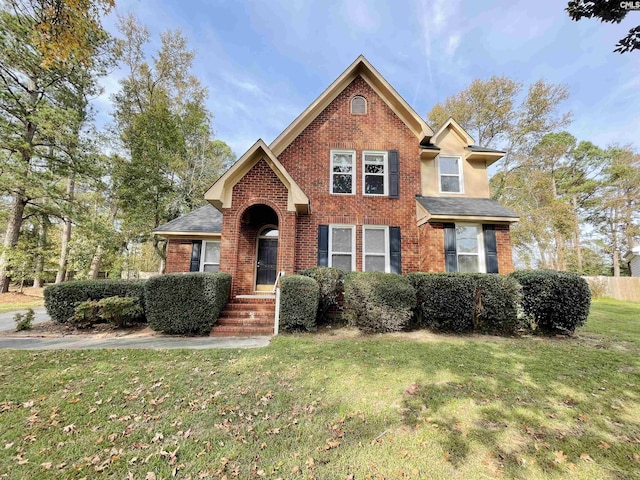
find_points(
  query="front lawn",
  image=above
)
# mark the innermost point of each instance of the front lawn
(328, 407)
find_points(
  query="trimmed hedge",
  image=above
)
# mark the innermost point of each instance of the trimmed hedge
(186, 304)
(60, 300)
(469, 302)
(331, 283)
(557, 302)
(378, 302)
(299, 297)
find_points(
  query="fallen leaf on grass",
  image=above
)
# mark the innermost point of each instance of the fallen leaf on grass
(413, 388)
(604, 445)
(586, 457)
(46, 465)
(560, 457)
(150, 476)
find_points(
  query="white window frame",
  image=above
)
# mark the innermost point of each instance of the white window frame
(460, 174)
(385, 164)
(351, 105)
(204, 250)
(387, 244)
(482, 264)
(353, 245)
(353, 171)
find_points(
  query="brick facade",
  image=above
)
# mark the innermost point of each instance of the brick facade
(307, 159)
(178, 256)
(260, 197)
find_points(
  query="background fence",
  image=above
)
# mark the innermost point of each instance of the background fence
(620, 288)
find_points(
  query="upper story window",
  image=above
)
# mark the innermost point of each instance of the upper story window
(450, 171)
(342, 165)
(375, 177)
(358, 105)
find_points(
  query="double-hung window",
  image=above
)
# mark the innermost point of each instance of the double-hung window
(342, 167)
(375, 251)
(210, 257)
(342, 247)
(469, 248)
(450, 171)
(375, 176)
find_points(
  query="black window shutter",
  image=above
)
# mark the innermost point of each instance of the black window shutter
(196, 247)
(323, 245)
(395, 249)
(450, 254)
(490, 248)
(394, 174)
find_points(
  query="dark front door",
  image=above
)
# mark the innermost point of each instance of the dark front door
(267, 261)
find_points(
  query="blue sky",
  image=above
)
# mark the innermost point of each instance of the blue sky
(266, 61)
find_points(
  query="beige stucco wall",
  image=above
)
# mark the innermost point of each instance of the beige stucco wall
(474, 173)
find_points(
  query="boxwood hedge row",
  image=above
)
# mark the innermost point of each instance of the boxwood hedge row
(299, 297)
(557, 302)
(186, 304)
(60, 300)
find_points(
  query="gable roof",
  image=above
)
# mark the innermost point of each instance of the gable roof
(476, 152)
(220, 193)
(206, 219)
(464, 208)
(387, 93)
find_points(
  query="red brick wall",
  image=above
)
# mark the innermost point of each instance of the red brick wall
(260, 186)
(307, 159)
(505, 254)
(178, 256)
(432, 247)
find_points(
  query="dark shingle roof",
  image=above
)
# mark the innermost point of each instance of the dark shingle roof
(203, 219)
(471, 207)
(476, 148)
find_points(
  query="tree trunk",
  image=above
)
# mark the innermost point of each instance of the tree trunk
(160, 246)
(11, 235)
(66, 235)
(576, 235)
(42, 241)
(96, 263)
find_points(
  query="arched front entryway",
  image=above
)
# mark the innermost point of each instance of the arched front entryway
(258, 249)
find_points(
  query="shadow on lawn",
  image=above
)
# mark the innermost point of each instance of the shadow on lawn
(547, 397)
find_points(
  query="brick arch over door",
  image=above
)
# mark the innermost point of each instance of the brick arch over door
(260, 186)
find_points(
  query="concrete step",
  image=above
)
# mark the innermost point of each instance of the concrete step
(254, 299)
(249, 307)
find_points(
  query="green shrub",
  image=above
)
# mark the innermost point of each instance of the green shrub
(186, 304)
(469, 302)
(86, 314)
(557, 302)
(299, 297)
(378, 302)
(119, 311)
(331, 284)
(60, 300)
(24, 321)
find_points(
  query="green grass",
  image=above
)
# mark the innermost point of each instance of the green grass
(326, 407)
(21, 305)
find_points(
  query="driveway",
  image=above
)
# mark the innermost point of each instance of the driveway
(7, 323)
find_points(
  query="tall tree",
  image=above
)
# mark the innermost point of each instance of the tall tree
(63, 28)
(37, 117)
(607, 11)
(165, 129)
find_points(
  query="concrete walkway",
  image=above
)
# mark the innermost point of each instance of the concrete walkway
(81, 342)
(7, 323)
(75, 343)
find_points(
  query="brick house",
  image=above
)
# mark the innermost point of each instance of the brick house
(358, 181)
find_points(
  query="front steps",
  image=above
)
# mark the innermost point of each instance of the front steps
(247, 316)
